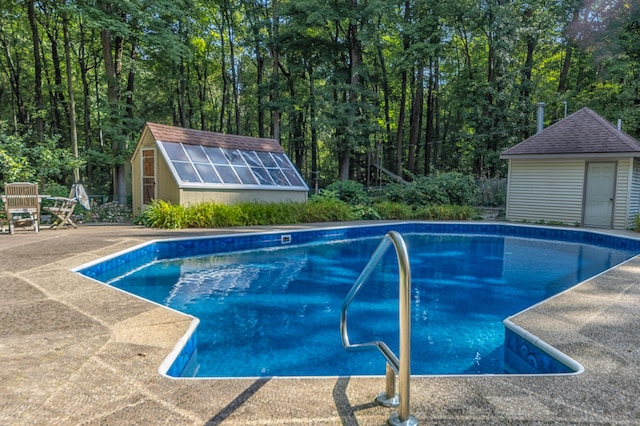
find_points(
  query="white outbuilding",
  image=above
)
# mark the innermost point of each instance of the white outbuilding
(581, 171)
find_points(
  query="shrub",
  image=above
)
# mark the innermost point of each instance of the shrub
(491, 192)
(161, 214)
(349, 191)
(445, 212)
(445, 188)
(394, 211)
(324, 210)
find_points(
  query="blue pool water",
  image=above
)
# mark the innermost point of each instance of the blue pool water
(274, 311)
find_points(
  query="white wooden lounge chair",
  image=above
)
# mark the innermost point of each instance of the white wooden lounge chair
(22, 205)
(63, 208)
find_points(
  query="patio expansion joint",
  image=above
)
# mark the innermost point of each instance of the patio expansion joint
(139, 388)
(61, 299)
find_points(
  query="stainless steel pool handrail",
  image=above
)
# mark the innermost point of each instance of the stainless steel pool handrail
(401, 366)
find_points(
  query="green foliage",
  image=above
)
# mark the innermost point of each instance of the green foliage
(324, 210)
(442, 188)
(161, 214)
(394, 210)
(445, 212)
(44, 162)
(349, 191)
(51, 162)
(15, 165)
(491, 192)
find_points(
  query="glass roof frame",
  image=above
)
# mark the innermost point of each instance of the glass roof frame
(205, 167)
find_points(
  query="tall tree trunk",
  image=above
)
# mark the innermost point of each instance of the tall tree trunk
(86, 93)
(314, 131)
(563, 80)
(19, 112)
(355, 61)
(296, 140)
(430, 147)
(113, 70)
(73, 133)
(388, 152)
(260, 97)
(275, 57)
(37, 69)
(56, 94)
(181, 96)
(227, 13)
(131, 80)
(400, 129)
(225, 79)
(415, 122)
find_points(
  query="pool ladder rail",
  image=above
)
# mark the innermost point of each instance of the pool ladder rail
(402, 366)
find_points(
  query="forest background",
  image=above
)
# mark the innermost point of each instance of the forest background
(348, 87)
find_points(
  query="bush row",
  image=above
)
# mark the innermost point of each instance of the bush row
(161, 214)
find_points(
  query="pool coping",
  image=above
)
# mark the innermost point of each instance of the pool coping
(96, 360)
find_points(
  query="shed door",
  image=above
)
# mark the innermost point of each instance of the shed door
(599, 194)
(148, 176)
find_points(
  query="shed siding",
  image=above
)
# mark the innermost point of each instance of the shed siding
(545, 190)
(634, 193)
(621, 209)
(167, 186)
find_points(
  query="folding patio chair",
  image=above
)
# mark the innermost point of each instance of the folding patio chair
(63, 207)
(22, 205)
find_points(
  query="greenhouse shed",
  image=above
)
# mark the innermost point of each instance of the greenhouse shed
(581, 171)
(185, 166)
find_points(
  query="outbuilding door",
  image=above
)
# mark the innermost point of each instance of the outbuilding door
(148, 176)
(599, 194)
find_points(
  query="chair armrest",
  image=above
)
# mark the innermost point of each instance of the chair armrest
(59, 198)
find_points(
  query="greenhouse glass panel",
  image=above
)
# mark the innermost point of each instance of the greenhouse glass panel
(263, 175)
(283, 161)
(278, 177)
(207, 173)
(251, 158)
(216, 155)
(196, 154)
(186, 172)
(245, 175)
(293, 177)
(174, 151)
(266, 159)
(227, 174)
(234, 157)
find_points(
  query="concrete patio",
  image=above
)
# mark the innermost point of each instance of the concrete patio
(74, 351)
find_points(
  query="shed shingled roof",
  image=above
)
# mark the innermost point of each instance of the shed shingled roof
(164, 133)
(582, 133)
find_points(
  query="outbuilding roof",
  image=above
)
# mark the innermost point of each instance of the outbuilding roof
(582, 134)
(164, 133)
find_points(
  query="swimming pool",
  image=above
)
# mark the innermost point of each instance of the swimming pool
(238, 277)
